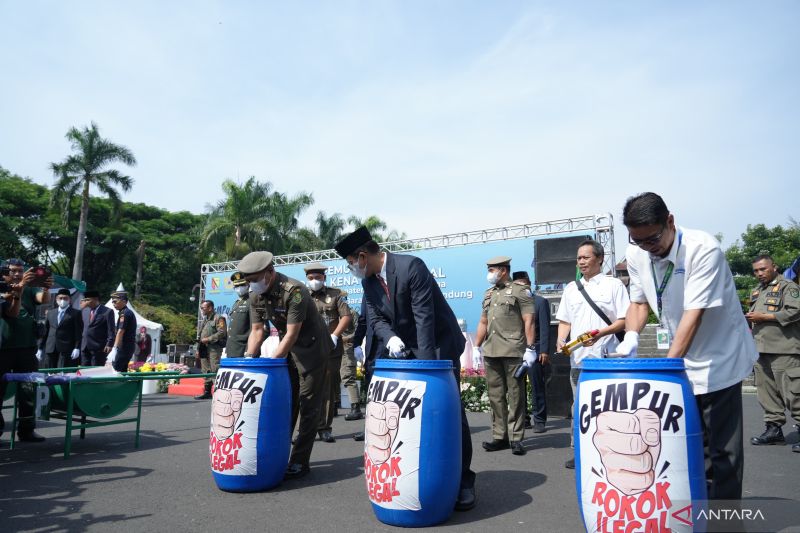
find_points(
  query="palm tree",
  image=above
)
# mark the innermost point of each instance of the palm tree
(87, 167)
(283, 229)
(239, 222)
(330, 229)
(374, 224)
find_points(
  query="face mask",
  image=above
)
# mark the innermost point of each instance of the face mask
(63, 304)
(492, 278)
(357, 270)
(241, 290)
(315, 284)
(259, 287)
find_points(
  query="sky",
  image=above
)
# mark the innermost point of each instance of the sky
(436, 116)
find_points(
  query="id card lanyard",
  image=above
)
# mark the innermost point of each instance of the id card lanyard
(662, 287)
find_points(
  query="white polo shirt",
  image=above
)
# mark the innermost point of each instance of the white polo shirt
(610, 296)
(722, 352)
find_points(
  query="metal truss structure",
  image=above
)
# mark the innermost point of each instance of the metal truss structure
(602, 226)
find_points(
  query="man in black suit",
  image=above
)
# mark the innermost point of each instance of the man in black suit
(98, 330)
(407, 313)
(62, 335)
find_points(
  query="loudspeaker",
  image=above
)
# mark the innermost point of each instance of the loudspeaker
(555, 259)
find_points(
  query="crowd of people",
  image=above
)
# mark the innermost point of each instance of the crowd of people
(68, 336)
(679, 274)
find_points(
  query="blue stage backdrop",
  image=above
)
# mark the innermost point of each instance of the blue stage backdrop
(460, 272)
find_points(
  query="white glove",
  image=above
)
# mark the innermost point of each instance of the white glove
(477, 356)
(359, 353)
(629, 345)
(39, 354)
(335, 340)
(396, 347)
(75, 354)
(111, 356)
(530, 356)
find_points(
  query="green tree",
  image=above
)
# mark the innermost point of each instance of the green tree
(376, 227)
(330, 229)
(238, 222)
(783, 244)
(86, 167)
(284, 213)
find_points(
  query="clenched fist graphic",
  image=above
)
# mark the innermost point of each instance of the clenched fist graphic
(380, 430)
(225, 411)
(629, 446)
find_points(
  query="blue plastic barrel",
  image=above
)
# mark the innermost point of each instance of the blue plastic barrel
(250, 431)
(638, 447)
(412, 444)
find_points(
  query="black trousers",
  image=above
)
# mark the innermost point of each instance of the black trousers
(93, 358)
(467, 474)
(20, 360)
(123, 357)
(59, 359)
(538, 395)
(721, 420)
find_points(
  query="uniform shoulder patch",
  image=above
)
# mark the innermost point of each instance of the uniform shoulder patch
(297, 297)
(794, 292)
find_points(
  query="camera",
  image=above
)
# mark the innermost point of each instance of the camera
(41, 273)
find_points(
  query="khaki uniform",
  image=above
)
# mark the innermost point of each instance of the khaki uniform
(332, 306)
(288, 302)
(778, 367)
(503, 348)
(238, 328)
(214, 328)
(348, 369)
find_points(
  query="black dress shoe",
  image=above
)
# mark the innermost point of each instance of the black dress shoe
(796, 447)
(517, 448)
(358, 436)
(772, 435)
(495, 445)
(528, 424)
(355, 413)
(466, 499)
(205, 396)
(570, 464)
(325, 436)
(29, 436)
(538, 427)
(295, 471)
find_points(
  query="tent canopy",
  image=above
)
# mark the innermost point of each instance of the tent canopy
(154, 329)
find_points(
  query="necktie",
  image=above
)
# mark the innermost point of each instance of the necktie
(91, 316)
(384, 285)
(60, 316)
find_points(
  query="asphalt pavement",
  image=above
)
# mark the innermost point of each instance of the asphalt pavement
(166, 484)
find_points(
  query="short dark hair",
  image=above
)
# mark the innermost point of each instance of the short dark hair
(13, 262)
(209, 302)
(761, 257)
(646, 209)
(370, 247)
(597, 248)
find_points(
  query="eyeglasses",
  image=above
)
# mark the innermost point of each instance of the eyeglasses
(648, 241)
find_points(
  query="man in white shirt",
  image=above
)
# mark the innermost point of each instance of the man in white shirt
(577, 316)
(683, 276)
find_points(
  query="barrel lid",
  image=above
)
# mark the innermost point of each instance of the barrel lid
(625, 365)
(254, 362)
(414, 364)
